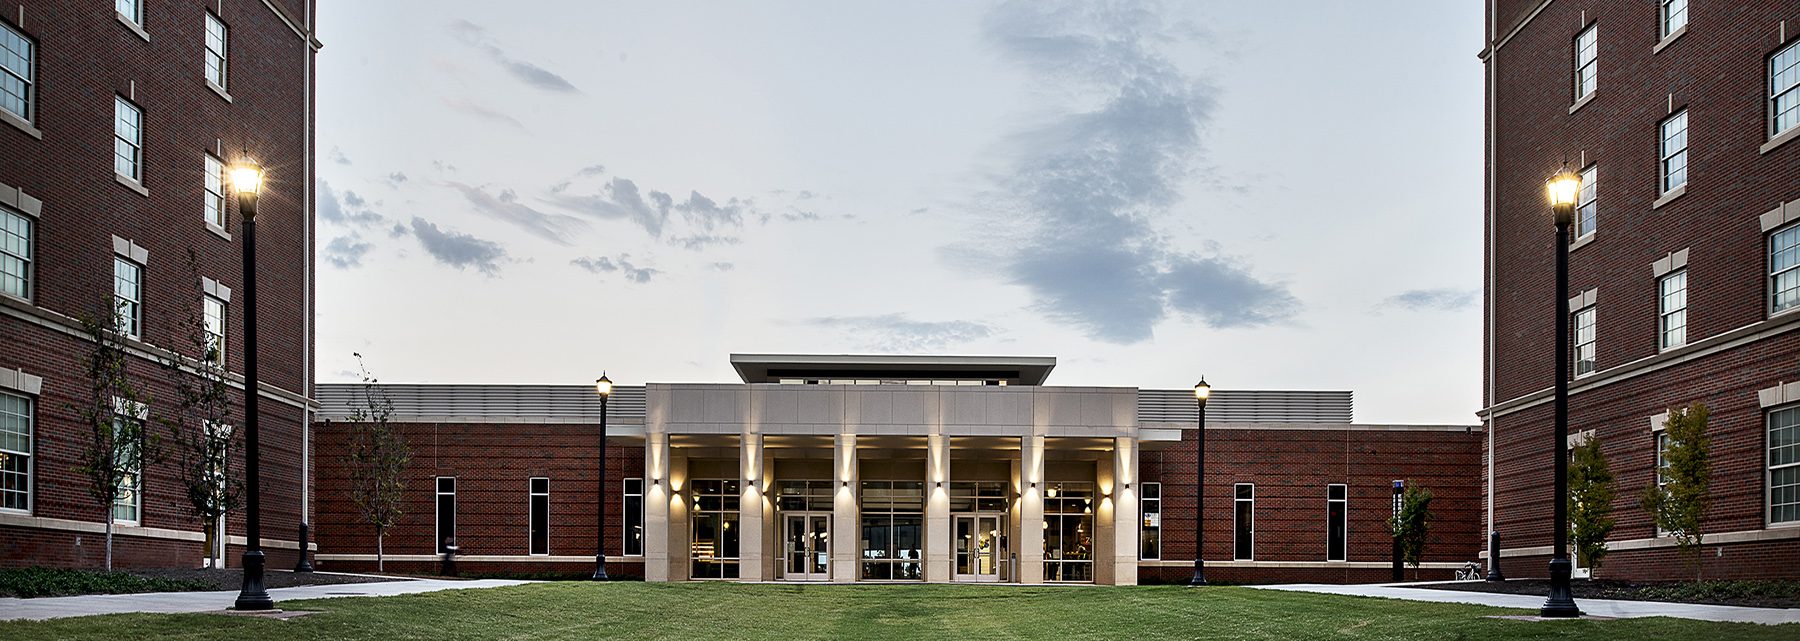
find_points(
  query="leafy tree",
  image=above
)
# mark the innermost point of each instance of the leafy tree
(117, 445)
(377, 460)
(200, 421)
(1591, 492)
(1678, 503)
(1412, 525)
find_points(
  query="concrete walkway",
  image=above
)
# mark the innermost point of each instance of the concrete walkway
(1589, 607)
(166, 602)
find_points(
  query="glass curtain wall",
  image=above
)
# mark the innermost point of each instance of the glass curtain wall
(715, 536)
(893, 527)
(1069, 532)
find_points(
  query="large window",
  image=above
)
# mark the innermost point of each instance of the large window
(1243, 521)
(213, 316)
(1586, 59)
(214, 209)
(15, 254)
(128, 295)
(1784, 465)
(15, 452)
(1069, 532)
(714, 543)
(1674, 16)
(1672, 309)
(1674, 151)
(128, 140)
(540, 515)
(1587, 208)
(1784, 269)
(1784, 90)
(634, 517)
(804, 496)
(893, 528)
(1584, 341)
(215, 50)
(1150, 532)
(1337, 522)
(17, 59)
(446, 513)
(128, 505)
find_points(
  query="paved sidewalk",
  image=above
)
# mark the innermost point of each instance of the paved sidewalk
(1592, 607)
(165, 602)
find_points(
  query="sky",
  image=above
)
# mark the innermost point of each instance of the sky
(1271, 195)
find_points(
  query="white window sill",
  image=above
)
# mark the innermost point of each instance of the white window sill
(1668, 40)
(1777, 141)
(1779, 314)
(217, 230)
(1583, 241)
(132, 184)
(1583, 101)
(133, 26)
(219, 90)
(1669, 197)
(21, 124)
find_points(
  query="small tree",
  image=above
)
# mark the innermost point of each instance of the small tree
(1412, 525)
(377, 460)
(1677, 499)
(200, 422)
(1591, 492)
(117, 446)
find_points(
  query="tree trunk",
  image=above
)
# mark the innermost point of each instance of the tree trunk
(380, 555)
(109, 529)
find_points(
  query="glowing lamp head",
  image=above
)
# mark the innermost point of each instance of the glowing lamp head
(246, 177)
(1563, 189)
(603, 386)
(1202, 390)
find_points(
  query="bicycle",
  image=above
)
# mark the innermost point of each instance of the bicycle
(1470, 571)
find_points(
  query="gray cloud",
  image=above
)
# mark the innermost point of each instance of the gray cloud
(527, 72)
(556, 228)
(1084, 188)
(337, 156)
(698, 242)
(459, 250)
(397, 178)
(621, 265)
(483, 113)
(899, 333)
(350, 209)
(724, 266)
(346, 252)
(1443, 299)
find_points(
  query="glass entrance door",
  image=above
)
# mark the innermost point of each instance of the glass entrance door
(806, 543)
(978, 548)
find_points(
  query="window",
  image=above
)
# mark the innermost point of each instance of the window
(1584, 341)
(634, 517)
(1586, 208)
(1586, 55)
(214, 210)
(214, 316)
(1243, 517)
(1069, 532)
(17, 74)
(1784, 466)
(215, 51)
(1150, 533)
(1337, 532)
(128, 506)
(1674, 151)
(1662, 469)
(133, 10)
(1784, 89)
(1784, 269)
(714, 541)
(446, 513)
(1672, 309)
(15, 254)
(128, 140)
(128, 295)
(540, 515)
(15, 452)
(893, 530)
(1674, 16)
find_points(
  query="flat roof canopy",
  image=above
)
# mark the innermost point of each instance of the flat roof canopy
(771, 368)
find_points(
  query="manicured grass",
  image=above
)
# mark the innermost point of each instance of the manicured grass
(726, 611)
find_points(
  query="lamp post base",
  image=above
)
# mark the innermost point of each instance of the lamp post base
(1199, 578)
(600, 568)
(1561, 603)
(253, 596)
(305, 563)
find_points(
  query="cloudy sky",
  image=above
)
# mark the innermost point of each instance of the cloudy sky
(1274, 195)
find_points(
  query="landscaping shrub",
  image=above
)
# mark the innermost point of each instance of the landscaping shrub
(41, 582)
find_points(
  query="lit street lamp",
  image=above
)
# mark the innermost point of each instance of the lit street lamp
(603, 387)
(247, 180)
(1202, 391)
(1563, 190)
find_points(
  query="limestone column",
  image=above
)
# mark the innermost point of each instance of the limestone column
(750, 508)
(1105, 527)
(656, 507)
(938, 537)
(1126, 519)
(845, 568)
(1031, 509)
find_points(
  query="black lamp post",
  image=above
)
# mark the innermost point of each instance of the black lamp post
(247, 179)
(1202, 391)
(1563, 189)
(604, 387)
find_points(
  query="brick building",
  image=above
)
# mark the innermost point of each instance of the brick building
(114, 132)
(1681, 117)
(921, 468)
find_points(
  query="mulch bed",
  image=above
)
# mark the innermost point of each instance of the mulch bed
(1755, 594)
(233, 578)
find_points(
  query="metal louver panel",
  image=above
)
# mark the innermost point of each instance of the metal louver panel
(1246, 406)
(525, 403)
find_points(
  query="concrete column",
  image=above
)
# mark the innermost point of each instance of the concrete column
(751, 525)
(657, 498)
(1105, 527)
(1031, 509)
(938, 537)
(845, 568)
(1124, 553)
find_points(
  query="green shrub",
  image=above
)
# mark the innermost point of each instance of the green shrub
(41, 582)
(1690, 591)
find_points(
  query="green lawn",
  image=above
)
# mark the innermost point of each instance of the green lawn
(716, 611)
